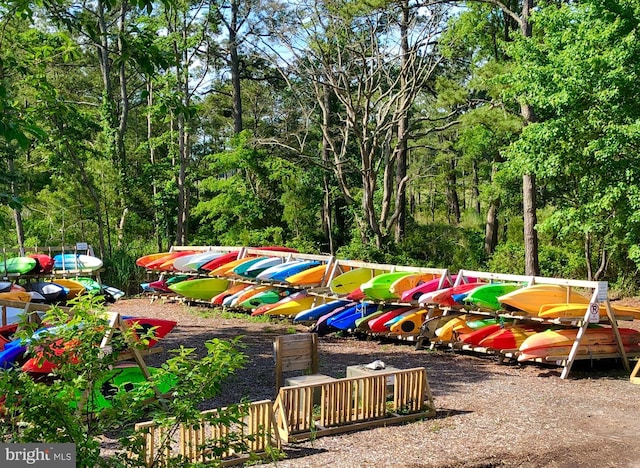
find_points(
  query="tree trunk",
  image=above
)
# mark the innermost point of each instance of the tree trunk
(476, 188)
(235, 68)
(152, 160)
(452, 194)
(17, 215)
(327, 227)
(403, 129)
(491, 227)
(121, 153)
(532, 266)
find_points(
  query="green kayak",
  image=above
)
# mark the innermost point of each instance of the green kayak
(377, 288)
(486, 297)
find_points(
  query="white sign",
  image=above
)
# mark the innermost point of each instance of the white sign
(82, 246)
(603, 291)
(594, 312)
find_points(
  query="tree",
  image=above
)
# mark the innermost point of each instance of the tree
(357, 56)
(582, 73)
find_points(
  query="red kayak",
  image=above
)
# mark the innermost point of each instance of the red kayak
(445, 297)
(414, 294)
(45, 263)
(41, 360)
(6, 334)
(376, 325)
(356, 295)
(475, 337)
(165, 263)
(219, 261)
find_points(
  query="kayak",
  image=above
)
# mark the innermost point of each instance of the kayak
(123, 380)
(226, 269)
(259, 267)
(314, 313)
(445, 297)
(346, 320)
(18, 265)
(219, 261)
(165, 262)
(413, 294)
(76, 262)
(377, 288)
(312, 276)
(409, 323)
(529, 299)
(569, 310)
(349, 281)
(377, 325)
(218, 299)
(486, 297)
(195, 261)
(202, 288)
(559, 342)
(50, 292)
(289, 269)
(140, 326)
(507, 338)
(74, 288)
(146, 259)
(291, 305)
(405, 283)
(45, 263)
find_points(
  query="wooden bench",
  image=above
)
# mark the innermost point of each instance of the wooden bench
(353, 403)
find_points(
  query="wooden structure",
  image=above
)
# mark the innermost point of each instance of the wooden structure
(599, 295)
(354, 403)
(196, 442)
(295, 352)
(635, 375)
(29, 309)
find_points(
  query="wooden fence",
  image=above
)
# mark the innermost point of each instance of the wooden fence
(349, 404)
(210, 439)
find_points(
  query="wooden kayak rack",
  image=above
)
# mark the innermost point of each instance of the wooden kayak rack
(599, 295)
(335, 267)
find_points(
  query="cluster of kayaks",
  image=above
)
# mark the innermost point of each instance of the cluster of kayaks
(403, 304)
(56, 291)
(32, 357)
(529, 341)
(43, 264)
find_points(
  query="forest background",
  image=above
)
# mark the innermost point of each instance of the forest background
(497, 135)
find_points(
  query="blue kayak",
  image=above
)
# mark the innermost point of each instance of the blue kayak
(12, 351)
(293, 269)
(316, 312)
(346, 320)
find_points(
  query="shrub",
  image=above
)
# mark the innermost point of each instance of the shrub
(60, 407)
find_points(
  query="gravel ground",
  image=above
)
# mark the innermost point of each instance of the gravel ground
(488, 414)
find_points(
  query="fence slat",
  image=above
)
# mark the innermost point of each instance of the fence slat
(257, 431)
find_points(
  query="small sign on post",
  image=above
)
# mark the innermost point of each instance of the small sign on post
(82, 246)
(594, 312)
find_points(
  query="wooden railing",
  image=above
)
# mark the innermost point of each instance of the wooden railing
(353, 403)
(210, 439)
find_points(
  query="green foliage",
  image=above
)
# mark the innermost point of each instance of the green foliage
(555, 262)
(59, 408)
(581, 74)
(444, 246)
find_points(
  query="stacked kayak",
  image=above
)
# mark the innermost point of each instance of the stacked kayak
(596, 341)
